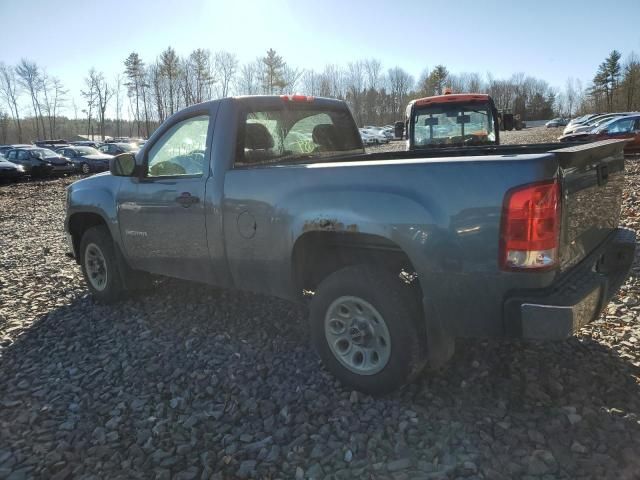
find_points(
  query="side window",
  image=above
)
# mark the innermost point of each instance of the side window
(22, 155)
(181, 150)
(12, 155)
(622, 126)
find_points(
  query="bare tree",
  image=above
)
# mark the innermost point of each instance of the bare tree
(53, 93)
(248, 79)
(355, 89)
(103, 94)
(373, 69)
(75, 108)
(332, 82)
(310, 82)
(10, 92)
(29, 75)
(89, 95)
(118, 96)
(400, 83)
(290, 78)
(226, 67)
(570, 95)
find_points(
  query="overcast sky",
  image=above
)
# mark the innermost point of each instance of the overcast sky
(552, 40)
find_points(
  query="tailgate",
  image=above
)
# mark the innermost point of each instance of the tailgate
(592, 182)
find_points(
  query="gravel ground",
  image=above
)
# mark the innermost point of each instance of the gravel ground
(186, 382)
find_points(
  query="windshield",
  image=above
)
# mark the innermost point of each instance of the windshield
(87, 151)
(453, 125)
(44, 153)
(602, 121)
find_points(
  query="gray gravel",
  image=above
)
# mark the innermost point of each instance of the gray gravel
(192, 383)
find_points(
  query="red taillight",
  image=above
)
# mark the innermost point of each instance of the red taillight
(530, 230)
(298, 98)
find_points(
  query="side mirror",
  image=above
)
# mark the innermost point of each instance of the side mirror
(123, 165)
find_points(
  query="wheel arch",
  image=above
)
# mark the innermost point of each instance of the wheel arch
(317, 254)
(79, 223)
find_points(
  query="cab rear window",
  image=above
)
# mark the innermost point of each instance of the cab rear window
(283, 135)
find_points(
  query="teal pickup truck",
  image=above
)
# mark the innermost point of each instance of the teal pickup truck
(396, 253)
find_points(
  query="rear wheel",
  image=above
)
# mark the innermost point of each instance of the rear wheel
(85, 168)
(364, 325)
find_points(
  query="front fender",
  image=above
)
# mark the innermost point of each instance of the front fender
(95, 195)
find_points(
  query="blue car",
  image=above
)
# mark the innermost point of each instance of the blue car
(86, 159)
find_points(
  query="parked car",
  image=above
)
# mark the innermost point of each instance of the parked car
(397, 253)
(5, 148)
(377, 135)
(40, 162)
(557, 122)
(582, 119)
(86, 159)
(367, 138)
(51, 144)
(10, 171)
(87, 143)
(627, 128)
(591, 122)
(589, 126)
(118, 148)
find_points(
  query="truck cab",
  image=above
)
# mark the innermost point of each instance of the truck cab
(452, 120)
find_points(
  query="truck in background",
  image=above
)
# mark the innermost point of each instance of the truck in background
(452, 120)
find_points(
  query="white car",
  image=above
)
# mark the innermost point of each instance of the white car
(367, 139)
(376, 134)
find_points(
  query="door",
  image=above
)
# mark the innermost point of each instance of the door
(162, 213)
(623, 128)
(634, 145)
(24, 159)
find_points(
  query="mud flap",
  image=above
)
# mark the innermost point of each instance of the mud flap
(440, 342)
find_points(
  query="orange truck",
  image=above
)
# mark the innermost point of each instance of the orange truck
(452, 120)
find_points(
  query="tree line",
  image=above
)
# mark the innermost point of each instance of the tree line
(133, 102)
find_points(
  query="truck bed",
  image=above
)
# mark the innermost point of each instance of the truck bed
(451, 199)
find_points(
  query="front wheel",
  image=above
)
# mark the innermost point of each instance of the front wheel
(100, 265)
(365, 327)
(85, 168)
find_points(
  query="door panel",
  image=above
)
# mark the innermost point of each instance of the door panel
(162, 215)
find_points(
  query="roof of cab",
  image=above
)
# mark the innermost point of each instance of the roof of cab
(295, 98)
(453, 97)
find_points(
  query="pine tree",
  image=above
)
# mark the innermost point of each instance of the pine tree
(274, 66)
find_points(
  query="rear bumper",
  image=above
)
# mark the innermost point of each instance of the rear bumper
(577, 298)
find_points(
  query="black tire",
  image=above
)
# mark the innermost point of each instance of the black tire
(85, 168)
(399, 306)
(99, 238)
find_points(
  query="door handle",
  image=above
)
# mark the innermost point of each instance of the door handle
(186, 199)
